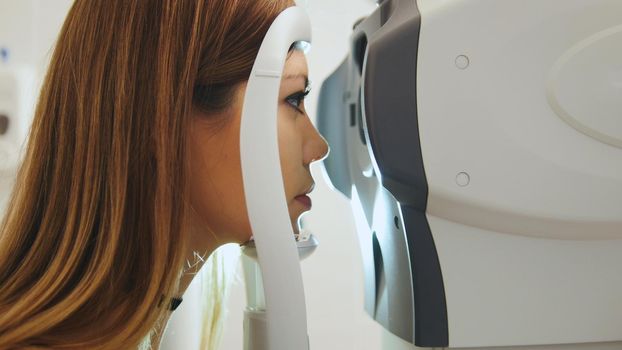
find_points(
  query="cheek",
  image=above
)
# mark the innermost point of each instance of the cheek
(290, 148)
(215, 178)
(216, 188)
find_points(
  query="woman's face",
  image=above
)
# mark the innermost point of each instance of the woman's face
(218, 207)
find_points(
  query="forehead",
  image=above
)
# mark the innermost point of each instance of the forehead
(296, 65)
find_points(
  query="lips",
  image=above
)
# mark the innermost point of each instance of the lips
(304, 199)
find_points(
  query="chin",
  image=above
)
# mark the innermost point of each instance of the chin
(296, 222)
(295, 225)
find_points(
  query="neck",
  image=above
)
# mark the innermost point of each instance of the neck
(201, 244)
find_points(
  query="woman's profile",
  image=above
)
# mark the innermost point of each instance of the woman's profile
(132, 167)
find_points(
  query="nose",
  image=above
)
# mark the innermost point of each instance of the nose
(316, 147)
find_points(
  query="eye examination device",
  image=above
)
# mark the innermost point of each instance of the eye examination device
(275, 318)
(480, 144)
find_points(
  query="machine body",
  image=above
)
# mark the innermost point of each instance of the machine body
(277, 319)
(480, 143)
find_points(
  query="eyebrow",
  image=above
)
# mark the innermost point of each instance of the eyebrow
(297, 76)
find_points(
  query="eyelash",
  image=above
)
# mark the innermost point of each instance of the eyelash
(296, 99)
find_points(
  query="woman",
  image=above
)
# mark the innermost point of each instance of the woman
(133, 167)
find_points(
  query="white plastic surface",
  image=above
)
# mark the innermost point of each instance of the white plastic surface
(255, 330)
(530, 246)
(585, 86)
(509, 290)
(392, 342)
(306, 242)
(253, 283)
(263, 186)
(531, 173)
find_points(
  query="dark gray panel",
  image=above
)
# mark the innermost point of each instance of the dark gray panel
(389, 90)
(368, 109)
(431, 328)
(391, 126)
(330, 122)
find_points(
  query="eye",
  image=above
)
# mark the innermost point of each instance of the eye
(295, 100)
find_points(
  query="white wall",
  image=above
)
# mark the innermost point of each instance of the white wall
(333, 275)
(28, 29)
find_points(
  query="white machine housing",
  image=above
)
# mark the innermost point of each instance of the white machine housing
(281, 322)
(522, 148)
(481, 144)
